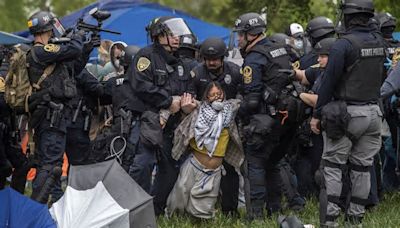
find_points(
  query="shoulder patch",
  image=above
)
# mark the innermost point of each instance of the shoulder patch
(247, 75)
(52, 48)
(193, 74)
(315, 66)
(142, 64)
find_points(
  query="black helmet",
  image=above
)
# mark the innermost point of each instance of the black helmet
(386, 20)
(279, 38)
(324, 46)
(319, 27)
(188, 41)
(44, 21)
(129, 53)
(167, 25)
(251, 23)
(213, 48)
(358, 6)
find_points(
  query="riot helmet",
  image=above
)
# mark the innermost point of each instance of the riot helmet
(251, 23)
(280, 38)
(128, 54)
(44, 21)
(358, 6)
(167, 25)
(387, 24)
(319, 28)
(213, 48)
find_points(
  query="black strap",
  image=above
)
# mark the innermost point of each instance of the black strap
(359, 168)
(334, 199)
(330, 164)
(359, 201)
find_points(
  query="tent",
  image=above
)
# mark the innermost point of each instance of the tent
(130, 17)
(103, 195)
(396, 35)
(11, 39)
(17, 210)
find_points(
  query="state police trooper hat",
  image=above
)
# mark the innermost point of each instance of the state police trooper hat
(358, 6)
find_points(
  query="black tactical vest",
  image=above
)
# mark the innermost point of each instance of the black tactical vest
(278, 58)
(362, 80)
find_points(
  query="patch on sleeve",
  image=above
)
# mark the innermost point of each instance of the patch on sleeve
(296, 65)
(52, 48)
(142, 64)
(193, 74)
(247, 75)
(315, 66)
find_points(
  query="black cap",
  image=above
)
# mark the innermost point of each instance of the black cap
(213, 47)
(324, 46)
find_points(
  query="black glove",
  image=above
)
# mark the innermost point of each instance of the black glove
(291, 73)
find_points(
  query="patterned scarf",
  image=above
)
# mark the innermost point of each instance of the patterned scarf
(210, 123)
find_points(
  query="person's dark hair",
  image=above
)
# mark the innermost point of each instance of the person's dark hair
(209, 87)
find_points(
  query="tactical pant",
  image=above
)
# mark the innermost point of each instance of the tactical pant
(50, 146)
(355, 152)
(307, 163)
(145, 158)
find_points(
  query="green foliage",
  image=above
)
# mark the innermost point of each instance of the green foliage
(14, 13)
(384, 215)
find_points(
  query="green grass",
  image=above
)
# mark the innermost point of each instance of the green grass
(386, 214)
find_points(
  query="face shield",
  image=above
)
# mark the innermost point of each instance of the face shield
(58, 28)
(177, 27)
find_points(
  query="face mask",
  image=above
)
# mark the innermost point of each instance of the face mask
(217, 105)
(298, 44)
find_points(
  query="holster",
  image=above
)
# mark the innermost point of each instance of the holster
(258, 129)
(335, 119)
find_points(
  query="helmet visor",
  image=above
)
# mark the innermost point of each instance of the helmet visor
(58, 28)
(177, 27)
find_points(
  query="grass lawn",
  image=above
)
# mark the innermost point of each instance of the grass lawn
(387, 214)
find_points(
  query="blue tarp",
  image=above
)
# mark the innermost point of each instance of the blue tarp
(130, 17)
(17, 210)
(396, 35)
(10, 39)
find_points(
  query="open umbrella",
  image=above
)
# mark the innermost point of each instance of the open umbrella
(103, 195)
(17, 210)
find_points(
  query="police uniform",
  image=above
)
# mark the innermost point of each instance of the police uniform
(231, 82)
(157, 76)
(308, 60)
(57, 89)
(353, 76)
(260, 70)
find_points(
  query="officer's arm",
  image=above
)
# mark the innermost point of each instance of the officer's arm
(89, 83)
(252, 70)
(333, 72)
(80, 63)
(392, 82)
(142, 81)
(52, 53)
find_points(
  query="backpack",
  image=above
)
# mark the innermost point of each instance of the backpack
(17, 84)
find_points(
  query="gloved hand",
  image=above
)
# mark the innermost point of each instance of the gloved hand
(291, 73)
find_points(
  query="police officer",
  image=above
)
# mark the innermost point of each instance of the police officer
(157, 76)
(355, 84)
(215, 68)
(262, 84)
(387, 25)
(51, 73)
(317, 29)
(188, 50)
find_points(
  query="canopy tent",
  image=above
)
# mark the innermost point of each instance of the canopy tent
(396, 35)
(103, 195)
(130, 17)
(17, 210)
(11, 39)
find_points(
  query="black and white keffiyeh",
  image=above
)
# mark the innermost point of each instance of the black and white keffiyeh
(210, 122)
